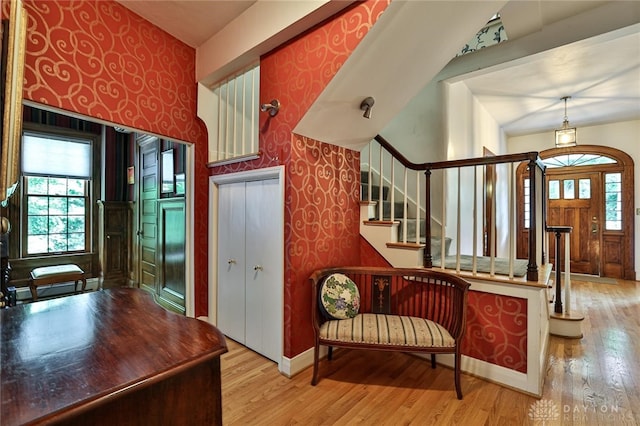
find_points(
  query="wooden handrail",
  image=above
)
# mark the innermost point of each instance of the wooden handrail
(465, 162)
(534, 162)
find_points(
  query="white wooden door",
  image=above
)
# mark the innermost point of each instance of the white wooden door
(251, 265)
(263, 271)
(231, 260)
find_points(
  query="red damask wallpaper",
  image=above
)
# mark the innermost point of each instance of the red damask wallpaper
(98, 59)
(497, 330)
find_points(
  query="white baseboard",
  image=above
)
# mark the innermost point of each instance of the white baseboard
(292, 366)
(482, 369)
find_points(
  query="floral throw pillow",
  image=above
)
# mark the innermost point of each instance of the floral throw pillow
(339, 297)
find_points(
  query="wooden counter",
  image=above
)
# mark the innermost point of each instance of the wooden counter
(108, 357)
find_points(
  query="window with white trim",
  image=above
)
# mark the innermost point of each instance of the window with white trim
(55, 194)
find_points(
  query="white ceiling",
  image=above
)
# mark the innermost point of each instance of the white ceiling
(602, 75)
(192, 22)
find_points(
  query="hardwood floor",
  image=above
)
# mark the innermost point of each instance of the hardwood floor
(590, 381)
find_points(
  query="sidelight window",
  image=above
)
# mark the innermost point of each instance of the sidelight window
(613, 201)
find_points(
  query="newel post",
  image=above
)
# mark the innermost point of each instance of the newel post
(559, 230)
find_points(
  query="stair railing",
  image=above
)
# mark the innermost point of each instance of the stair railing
(454, 168)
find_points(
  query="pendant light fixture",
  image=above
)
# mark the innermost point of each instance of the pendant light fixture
(565, 136)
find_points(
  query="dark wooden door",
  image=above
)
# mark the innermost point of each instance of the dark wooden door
(148, 215)
(114, 243)
(575, 200)
(171, 262)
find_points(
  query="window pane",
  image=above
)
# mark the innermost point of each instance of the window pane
(76, 242)
(613, 177)
(57, 243)
(37, 185)
(57, 205)
(58, 224)
(37, 206)
(37, 225)
(57, 186)
(76, 206)
(37, 244)
(584, 190)
(76, 223)
(613, 201)
(554, 190)
(569, 189)
(566, 160)
(76, 187)
(612, 187)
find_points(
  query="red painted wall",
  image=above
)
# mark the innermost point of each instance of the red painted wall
(98, 59)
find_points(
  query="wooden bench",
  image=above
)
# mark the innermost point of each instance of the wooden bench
(54, 275)
(393, 309)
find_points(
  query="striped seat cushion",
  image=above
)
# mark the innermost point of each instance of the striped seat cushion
(387, 329)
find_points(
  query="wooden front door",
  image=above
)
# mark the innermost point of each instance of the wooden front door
(575, 200)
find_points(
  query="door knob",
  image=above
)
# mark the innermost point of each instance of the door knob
(258, 268)
(594, 228)
(231, 261)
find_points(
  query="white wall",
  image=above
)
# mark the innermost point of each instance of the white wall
(624, 136)
(470, 128)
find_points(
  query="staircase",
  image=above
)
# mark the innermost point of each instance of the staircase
(385, 227)
(397, 218)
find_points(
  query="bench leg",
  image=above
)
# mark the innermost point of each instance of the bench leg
(457, 373)
(34, 292)
(84, 285)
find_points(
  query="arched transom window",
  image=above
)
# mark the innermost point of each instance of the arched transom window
(566, 160)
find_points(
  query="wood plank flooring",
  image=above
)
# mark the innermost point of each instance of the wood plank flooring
(590, 381)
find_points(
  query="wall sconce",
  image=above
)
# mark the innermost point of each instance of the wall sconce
(272, 107)
(566, 136)
(366, 105)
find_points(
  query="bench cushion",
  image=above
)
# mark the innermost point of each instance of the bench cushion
(49, 271)
(387, 329)
(339, 297)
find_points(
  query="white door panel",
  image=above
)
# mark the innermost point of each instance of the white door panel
(231, 261)
(264, 265)
(251, 264)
